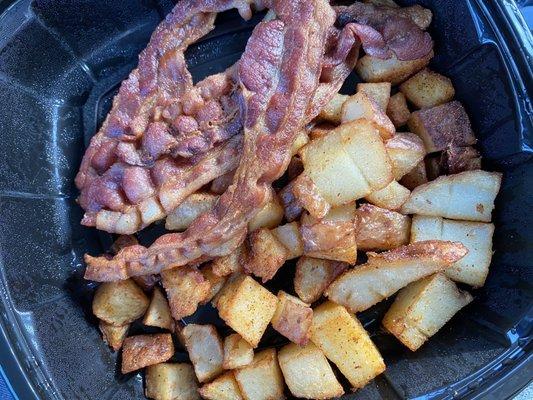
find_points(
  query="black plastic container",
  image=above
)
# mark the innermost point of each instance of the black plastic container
(60, 64)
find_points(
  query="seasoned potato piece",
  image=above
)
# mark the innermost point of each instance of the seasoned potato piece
(397, 110)
(192, 207)
(386, 273)
(332, 111)
(390, 197)
(292, 318)
(349, 163)
(270, 215)
(237, 352)
(362, 105)
(307, 372)
(292, 206)
(422, 308)
(380, 229)
(267, 254)
(205, 350)
(476, 236)
(442, 126)
(332, 237)
(467, 196)
(373, 69)
(416, 177)
(222, 388)
(344, 341)
(428, 89)
(289, 235)
(143, 350)
(405, 150)
(307, 195)
(158, 313)
(379, 92)
(313, 276)
(215, 282)
(186, 287)
(320, 130)
(226, 265)
(247, 307)
(221, 184)
(113, 335)
(119, 303)
(301, 140)
(171, 382)
(262, 379)
(460, 159)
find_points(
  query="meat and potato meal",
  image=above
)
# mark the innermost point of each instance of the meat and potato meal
(266, 168)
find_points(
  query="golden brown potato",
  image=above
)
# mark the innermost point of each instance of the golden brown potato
(171, 382)
(422, 308)
(332, 110)
(419, 15)
(143, 350)
(307, 372)
(186, 288)
(113, 335)
(205, 350)
(344, 341)
(224, 387)
(119, 303)
(416, 177)
(406, 150)
(397, 110)
(221, 184)
(379, 92)
(390, 197)
(192, 207)
(262, 379)
(301, 140)
(215, 282)
(332, 237)
(158, 313)
(227, 265)
(380, 229)
(270, 215)
(237, 352)
(307, 195)
(292, 318)
(466, 196)
(289, 235)
(373, 69)
(267, 254)
(460, 159)
(247, 308)
(428, 89)
(442, 126)
(386, 273)
(313, 276)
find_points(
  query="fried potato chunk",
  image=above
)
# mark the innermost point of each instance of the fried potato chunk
(397, 110)
(143, 350)
(227, 265)
(292, 318)
(422, 308)
(113, 335)
(224, 387)
(307, 372)
(191, 208)
(267, 254)
(405, 150)
(205, 350)
(379, 92)
(373, 69)
(158, 313)
(332, 110)
(344, 341)
(237, 352)
(119, 303)
(466, 196)
(313, 276)
(386, 273)
(216, 283)
(307, 195)
(428, 89)
(416, 177)
(269, 216)
(391, 197)
(362, 105)
(289, 235)
(171, 382)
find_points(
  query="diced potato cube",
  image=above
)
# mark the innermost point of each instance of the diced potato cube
(344, 341)
(380, 229)
(237, 352)
(390, 197)
(307, 195)
(301, 140)
(191, 208)
(416, 177)
(313, 276)
(267, 254)
(379, 92)
(349, 163)
(373, 69)
(292, 318)
(442, 126)
(422, 308)
(227, 265)
(215, 282)
(362, 105)
(119, 303)
(171, 382)
(467, 196)
(332, 110)
(289, 235)
(405, 150)
(262, 379)
(222, 388)
(143, 350)
(220, 185)
(428, 89)
(270, 215)
(186, 288)
(397, 110)
(158, 313)
(476, 236)
(460, 159)
(307, 372)
(419, 15)
(113, 335)
(205, 350)
(247, 307)
(386, 273)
